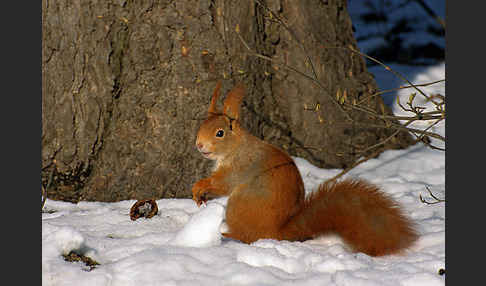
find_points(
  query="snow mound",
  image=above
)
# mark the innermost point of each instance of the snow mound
(202, 230)
(60, 240)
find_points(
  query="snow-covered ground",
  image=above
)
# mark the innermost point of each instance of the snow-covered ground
(182, 244)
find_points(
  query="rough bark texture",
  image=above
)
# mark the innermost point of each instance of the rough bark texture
(127, 83)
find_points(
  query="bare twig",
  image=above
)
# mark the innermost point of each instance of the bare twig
(401, 127)
(437, 200)
(421, 137)
(434, 147)
(252, 53)
(382, 142)
(314, 76)
(422, 116)
(419, 114)
(430, 126)
(398, 88)
(314, 80)
(292, 34)
(388, 68)
(356, 163)
(431, 13)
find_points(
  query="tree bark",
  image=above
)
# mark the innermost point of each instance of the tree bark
(127, 83)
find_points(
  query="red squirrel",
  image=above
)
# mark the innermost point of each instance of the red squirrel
(267, 197)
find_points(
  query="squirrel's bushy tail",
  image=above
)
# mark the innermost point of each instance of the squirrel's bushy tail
(365, 218)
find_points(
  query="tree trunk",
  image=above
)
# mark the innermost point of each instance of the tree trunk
(127, 83)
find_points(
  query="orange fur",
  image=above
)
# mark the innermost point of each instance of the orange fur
(367, 219)
(266, 192)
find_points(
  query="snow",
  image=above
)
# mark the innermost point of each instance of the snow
(182, 244)
(203, 229)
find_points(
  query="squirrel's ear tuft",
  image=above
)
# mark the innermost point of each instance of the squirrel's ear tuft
(233, 100)
(213, 109)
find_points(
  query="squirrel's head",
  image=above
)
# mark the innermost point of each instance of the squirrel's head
(220, 133)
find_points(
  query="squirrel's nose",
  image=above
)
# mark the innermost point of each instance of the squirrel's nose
(199, 146)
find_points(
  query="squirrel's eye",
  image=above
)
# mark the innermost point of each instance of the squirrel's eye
(220, 133)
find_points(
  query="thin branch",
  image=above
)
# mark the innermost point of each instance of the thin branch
(356, 163)
(434, 147)
(437, 200)
(292, 34)
(250, 52)
(397, 74)
(399, 88)
(421, 137)
(422, 116)
(431, 13)
(401, 127)
(382, 142)
(314, 80)
(430, 126)
(437, 115)
(419, 131)
(418, 117)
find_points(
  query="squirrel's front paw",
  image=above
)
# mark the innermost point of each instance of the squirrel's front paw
(200, 197)
(199, 193)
